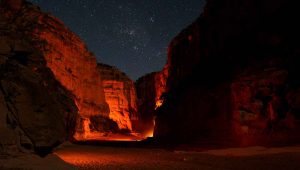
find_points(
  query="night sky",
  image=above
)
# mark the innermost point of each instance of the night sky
(132, 35)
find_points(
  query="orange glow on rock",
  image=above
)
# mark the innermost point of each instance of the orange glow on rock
(86, 131)
(72, 65)
(70, 62)
(151, 89)
(120, 94)
(158, 104)
(75, 68)
(118, 103)
(150, 131)
(86, 134)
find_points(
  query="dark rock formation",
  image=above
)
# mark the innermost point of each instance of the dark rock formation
(120, 95)
(146, 94)
(233, 76)
(150, 88)
(36, 112)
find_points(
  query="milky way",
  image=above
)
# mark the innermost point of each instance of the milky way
(132, 35)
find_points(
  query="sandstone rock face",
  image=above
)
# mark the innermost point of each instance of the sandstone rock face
(65, 54)
(123, 117)
(36, 112)
(120, 95)
(233, 76)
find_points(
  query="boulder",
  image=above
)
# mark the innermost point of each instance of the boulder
(36, 112)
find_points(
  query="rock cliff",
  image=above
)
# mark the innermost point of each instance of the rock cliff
(233, 76)
(65, 55)
(146, 94)
(150, 91)
(36, 112)
(120, 95)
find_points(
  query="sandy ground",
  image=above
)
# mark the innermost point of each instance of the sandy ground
(253, 158)
(33, 162)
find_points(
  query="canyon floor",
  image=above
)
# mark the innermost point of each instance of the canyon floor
(105, 157)
(115, 157)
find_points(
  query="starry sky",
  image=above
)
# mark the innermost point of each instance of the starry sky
(132, 35)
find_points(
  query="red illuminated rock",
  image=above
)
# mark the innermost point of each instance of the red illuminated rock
(120, 95)
(233, 76)
(66, 55)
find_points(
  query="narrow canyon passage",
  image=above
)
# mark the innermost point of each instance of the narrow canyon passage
(105, 157)
(230, 79)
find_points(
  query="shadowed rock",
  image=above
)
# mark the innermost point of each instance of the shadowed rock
(36, 112)
(233, 76)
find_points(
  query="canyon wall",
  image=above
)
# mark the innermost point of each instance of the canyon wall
(150, 90)
(65, 54)
(36, 112)
(120, 95)
(146, 95)
(121, 123)
(232, 76)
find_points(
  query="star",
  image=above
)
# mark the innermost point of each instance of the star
(135, 48)
(131, 35)
(131, 32)
(152, 19)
